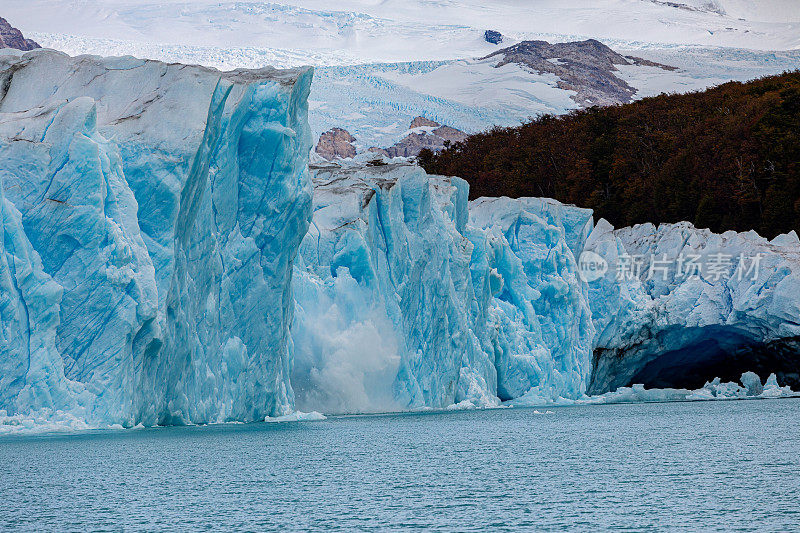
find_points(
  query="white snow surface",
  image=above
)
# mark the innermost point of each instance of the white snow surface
(375, 103)
(387, 62)
(411, 30)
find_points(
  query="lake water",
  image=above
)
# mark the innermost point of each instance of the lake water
(695, 466)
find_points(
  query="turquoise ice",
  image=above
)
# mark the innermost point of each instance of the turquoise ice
(403, 285)
(151, 215)
(167, 258)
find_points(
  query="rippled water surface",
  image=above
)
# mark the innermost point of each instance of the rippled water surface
(698, 466)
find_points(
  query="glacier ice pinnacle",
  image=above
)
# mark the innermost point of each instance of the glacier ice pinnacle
(151, 214)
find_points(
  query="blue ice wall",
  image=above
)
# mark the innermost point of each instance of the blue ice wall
(162, 262)
(413, 297)
(151, 215)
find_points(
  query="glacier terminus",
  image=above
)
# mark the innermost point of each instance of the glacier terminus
(151, 215)
(169, 257)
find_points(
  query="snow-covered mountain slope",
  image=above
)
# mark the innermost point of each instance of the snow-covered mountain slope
(385, 62)
(375, 103)
(402, 30)
(151, 214)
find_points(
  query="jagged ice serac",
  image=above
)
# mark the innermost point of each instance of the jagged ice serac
(168, 258)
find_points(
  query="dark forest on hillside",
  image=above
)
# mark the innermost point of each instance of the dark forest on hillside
(725, 158)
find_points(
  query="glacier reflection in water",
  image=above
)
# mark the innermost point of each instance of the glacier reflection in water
(644, 466)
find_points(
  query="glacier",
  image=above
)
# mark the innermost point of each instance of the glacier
(402, 286)
(659, 326)
(409, 296)
(169, 255)
(151, 215)
(383, 286)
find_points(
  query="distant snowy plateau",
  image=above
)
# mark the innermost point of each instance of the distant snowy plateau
(169, 256)
(379, 64)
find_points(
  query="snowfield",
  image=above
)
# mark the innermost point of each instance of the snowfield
(416, 30)
(382, 63)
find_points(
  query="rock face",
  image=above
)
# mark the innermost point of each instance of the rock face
(586, 67)
(425, 133)
(151, 214)
(336, 144)
(10, 37)
(494, 37)
(710, 6)
(422, 122)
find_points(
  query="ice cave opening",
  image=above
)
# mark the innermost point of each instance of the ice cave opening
(689, 357)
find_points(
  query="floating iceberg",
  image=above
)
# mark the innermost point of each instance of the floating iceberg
(151, 214)
(750, 388)
(297, 416)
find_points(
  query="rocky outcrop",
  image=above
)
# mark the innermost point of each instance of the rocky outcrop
(712, 6)
(425, 133)
(494, 37)
(336, 144)
(422, 122)
(11, 37)
(586, 67)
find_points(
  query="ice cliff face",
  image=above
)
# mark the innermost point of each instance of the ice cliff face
(384, 279)
(159, 239)
(406, 297)
(699, 303)
(538, 308)
(151, 214)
